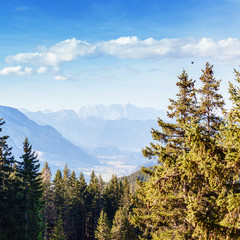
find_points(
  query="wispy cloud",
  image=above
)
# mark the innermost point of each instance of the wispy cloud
(18, 70)
(41, 70)
(23, 8)
(60, 78)
(124, 47)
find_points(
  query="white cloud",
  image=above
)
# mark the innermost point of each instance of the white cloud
(10, 70)
(25, 71)
(60, 78)
(64, 51)
(18, 70)
(130, 48)
(41, 70)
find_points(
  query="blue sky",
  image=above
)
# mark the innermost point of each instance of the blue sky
(65, 54)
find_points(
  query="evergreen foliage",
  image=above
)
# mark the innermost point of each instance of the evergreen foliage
(31, 188)
(93, 205)
(103, 227)
(8, 201)
(211, 102)
(58, 230)
(48, 211)
(121, 227)
(112, 196)
(188, 194)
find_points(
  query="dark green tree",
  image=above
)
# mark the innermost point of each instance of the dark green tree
(112, 197)
(82, 209)
(32, 193)
(66, 198)
(9, 207)
(92, 205)
(58, 194)
(58, 230)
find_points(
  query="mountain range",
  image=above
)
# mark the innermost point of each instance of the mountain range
(84, 140)
(90, 131)
(110, 112)
(48, 143)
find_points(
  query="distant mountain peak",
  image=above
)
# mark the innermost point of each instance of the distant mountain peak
(108, 112)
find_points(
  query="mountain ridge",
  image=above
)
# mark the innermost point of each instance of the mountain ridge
(46, 141)
(109, 112)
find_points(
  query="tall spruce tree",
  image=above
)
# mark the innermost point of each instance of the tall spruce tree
(182, 198)
(92, 205)
(121, 227)
(32, 193)
(228, 170)
(83, 196)
(48, 210)
(74, 223)
(211, 102)
(171, 136)
(58, 194)
(103, 227)
(66, 198)
(112, 197)
(58, 230)
(163, 193)
(125, 200)
(8, 194)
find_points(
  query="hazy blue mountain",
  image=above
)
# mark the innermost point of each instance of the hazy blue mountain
(48, 143)
(124, 126)
(95, 132)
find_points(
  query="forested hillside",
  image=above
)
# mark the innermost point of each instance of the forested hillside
(192, 193)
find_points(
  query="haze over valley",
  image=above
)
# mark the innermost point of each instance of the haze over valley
(107, 139)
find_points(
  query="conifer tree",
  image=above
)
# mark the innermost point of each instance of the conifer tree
(101, 192)
(8, 201)
(58, 231)
(228, 170)
(161, 194)
(211, 103)
(66, 198)
(171, 136)
(121, 227)
(58, 194)
(92, 205)
(125, 201)
(182, 198)
(83, 196)
(32, 192)
(103, 227)
(75, 208)
(112, 197)
(48, 199)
